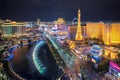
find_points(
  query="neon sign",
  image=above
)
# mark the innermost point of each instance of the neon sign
(114, 66)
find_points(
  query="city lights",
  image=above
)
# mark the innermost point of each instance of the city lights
(63, 43)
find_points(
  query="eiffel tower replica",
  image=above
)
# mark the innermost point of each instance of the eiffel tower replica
(79, 33)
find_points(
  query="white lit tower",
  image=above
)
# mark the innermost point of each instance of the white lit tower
(79, 33)
(38, 22)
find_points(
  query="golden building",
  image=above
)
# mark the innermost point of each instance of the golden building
(61, 24)
(60, 21)
(108, 32)
(111, 33)
(13, 28)
(95, 30)
(111, 52)
(115, 33)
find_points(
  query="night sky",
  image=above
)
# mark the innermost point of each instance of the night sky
(50, 10)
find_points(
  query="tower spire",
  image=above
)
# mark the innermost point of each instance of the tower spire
(79, 18)
(79, 33)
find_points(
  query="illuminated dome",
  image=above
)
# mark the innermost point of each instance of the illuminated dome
(60, 21)
(14, 22)
(96, 51)
(96, 47)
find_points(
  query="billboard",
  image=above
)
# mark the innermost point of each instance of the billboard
(114, 66)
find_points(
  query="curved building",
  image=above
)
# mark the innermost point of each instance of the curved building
(96, 52)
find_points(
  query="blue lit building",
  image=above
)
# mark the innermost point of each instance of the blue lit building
(96, 52)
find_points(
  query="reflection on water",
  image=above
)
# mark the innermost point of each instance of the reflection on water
(23, 64)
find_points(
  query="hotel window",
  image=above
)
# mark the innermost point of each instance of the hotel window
(112, 72)
(115, 73)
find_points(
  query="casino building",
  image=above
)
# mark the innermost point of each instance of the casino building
(114, 71)
(106, 32)
(60, 23)
(12, 28)
(96, 52)
(109, 33)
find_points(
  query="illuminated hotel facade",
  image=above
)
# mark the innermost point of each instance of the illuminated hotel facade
(108, 32)
(60, 24)
(95, 30)
(12, 29)
(115, 33)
